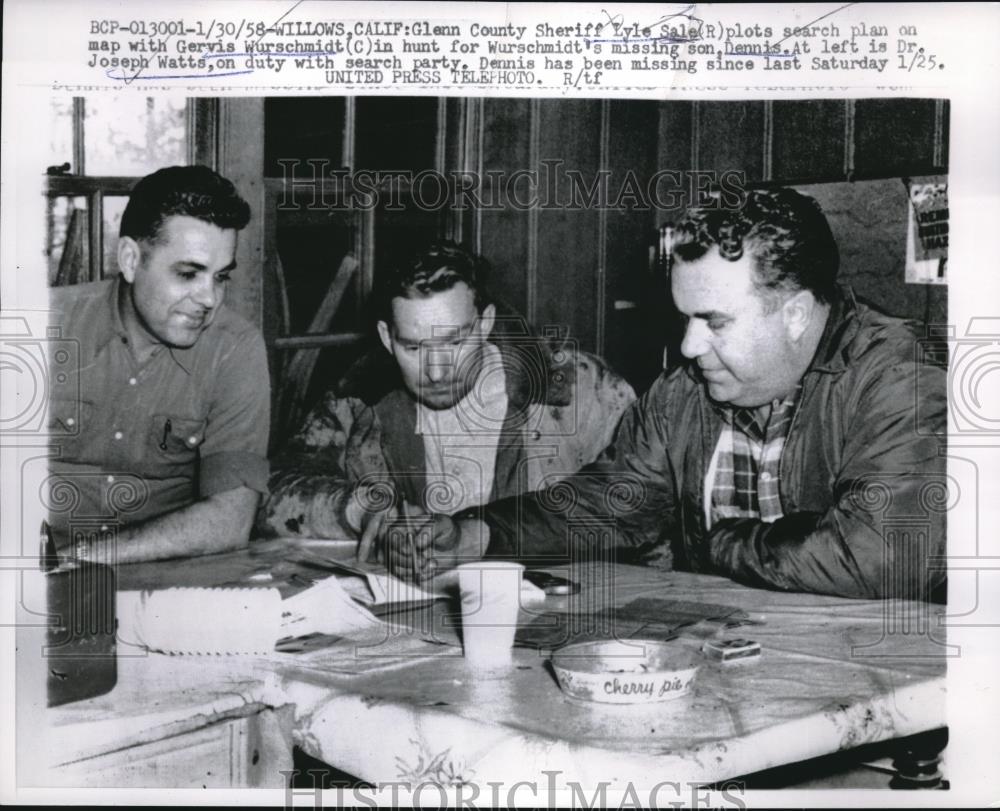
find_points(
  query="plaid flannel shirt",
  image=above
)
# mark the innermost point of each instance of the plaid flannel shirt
(742, 477)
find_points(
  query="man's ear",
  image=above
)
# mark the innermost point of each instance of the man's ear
(383, 333)
(487, 318)
(797, 312)
(129, 257)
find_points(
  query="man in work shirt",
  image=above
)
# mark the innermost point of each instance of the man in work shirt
(160, 432)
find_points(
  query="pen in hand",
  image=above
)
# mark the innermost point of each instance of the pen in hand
(412, 547)
(416, 520)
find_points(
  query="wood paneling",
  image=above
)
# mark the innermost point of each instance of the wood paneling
(674, 154)
(241, 159)
(632, 154)
(567, 266)
(505, 132)
(730, 137)
(894, 137)
(568, 234)
(808, 141)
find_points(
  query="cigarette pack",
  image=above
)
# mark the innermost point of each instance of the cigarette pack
(730, 650)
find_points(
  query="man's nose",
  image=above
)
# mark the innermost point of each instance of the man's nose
(695, 343)
(207, 294)
(436, 364)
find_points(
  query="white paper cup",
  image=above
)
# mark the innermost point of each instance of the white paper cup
(491, 598)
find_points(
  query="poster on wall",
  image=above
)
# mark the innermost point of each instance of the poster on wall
(927, 232)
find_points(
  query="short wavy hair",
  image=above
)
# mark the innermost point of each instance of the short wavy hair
(190, 191)
(785, 232)
(434, 269)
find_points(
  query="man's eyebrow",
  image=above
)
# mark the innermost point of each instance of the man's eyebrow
(452, 331)
(711, 315)
(199, 266)
(439, 333)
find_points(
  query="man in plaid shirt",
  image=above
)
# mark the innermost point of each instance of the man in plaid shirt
(783, 453)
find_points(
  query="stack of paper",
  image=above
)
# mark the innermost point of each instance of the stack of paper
(237, 621)
(201, 620)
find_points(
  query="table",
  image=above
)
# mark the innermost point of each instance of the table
(834, 674)
(175, 722)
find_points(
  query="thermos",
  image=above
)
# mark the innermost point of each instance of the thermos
(80, 639)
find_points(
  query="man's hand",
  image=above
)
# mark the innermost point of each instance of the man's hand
(421, 544)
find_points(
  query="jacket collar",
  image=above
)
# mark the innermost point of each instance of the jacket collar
(841, 327)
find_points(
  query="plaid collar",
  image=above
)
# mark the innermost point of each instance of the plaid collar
(748, 420)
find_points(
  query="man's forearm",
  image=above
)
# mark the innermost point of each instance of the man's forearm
(306, 505)
(218, 523)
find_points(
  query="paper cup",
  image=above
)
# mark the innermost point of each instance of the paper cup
(491, 592)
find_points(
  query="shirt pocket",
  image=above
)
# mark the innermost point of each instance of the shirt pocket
(174, 442)
(70, 425)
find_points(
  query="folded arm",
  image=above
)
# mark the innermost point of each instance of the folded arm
(891, 468)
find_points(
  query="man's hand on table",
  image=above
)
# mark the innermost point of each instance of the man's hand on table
(422, 544)
(218, 523)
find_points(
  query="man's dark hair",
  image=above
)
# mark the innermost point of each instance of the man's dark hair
(434, 269)
(784, 231)
(190, 191)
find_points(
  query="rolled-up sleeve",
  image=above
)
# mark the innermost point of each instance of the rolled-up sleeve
(234, 453)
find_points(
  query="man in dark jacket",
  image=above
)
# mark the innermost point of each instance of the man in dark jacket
(790, 452)
(463, 407)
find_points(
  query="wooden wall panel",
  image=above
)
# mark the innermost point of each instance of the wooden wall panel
(632, 148)
(808, 141)
(894, 137)
(730, 136)
(241, 159)
(674, 153)
(569, 240)
(504, 234)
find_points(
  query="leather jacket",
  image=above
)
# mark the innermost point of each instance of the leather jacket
(862, 478)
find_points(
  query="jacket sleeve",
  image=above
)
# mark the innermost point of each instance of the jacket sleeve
(886, 524)
(310, 479)
(618, 500)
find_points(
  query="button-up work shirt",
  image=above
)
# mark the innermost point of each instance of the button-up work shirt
(132, 442)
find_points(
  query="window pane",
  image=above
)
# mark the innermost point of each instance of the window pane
(396, 133)
(60, 132)
(311, 246)
(300, 129)
(132, 135)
